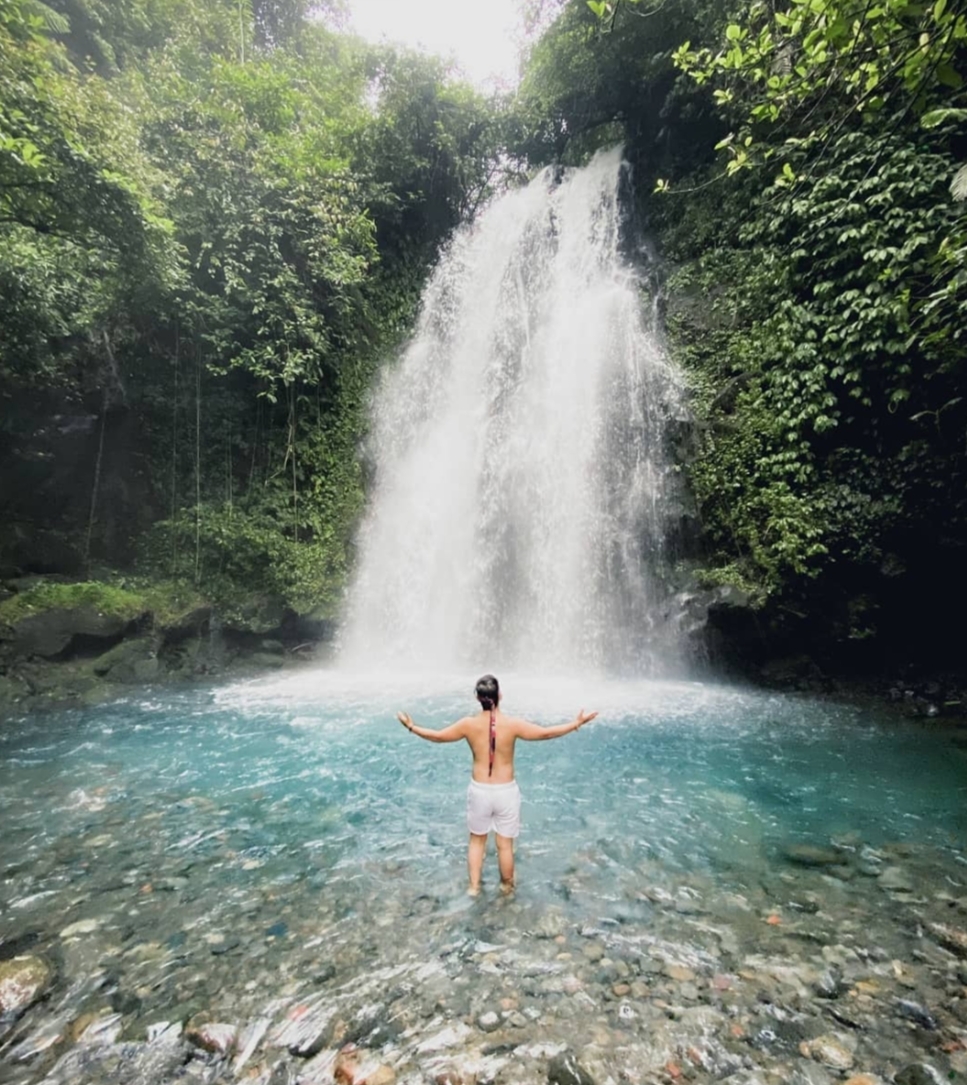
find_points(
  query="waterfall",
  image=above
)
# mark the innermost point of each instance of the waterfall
(520, 506)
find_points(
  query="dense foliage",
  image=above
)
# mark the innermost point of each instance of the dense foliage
(215, 220)
(817, 282)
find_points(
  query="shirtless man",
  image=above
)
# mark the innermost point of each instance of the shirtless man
(493, 798)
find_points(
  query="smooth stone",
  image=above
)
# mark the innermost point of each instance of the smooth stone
(22, 981)
(913, 1011)
(355, 1066)
(951, 938)
(550, 925)
(895, 879)
(593, 951)
(382, 1075)
(219, 949)
(828, 1051)
(863, 1079)
(564, 1069)
(451, 1036)
(918, 1073)
(97, 1029)
(82, 926)
(812, 856)
(216, 1037)
(678, 972)
(810, 1073)
(831, 984)
(453, 1075)
(488, 1021)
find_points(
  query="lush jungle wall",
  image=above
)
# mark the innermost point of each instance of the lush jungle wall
(801, 168)
(215, 221)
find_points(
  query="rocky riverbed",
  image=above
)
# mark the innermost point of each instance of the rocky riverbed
(264, 884)
(835, 963)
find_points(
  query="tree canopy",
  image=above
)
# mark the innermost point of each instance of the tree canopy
(215, 220)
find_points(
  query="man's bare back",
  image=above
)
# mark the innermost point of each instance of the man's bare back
(476, 730)
(493, 767)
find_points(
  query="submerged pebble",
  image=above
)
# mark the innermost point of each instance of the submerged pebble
(22, 981)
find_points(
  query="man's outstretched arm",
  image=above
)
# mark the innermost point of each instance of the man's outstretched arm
(453, 733)
(532, 732)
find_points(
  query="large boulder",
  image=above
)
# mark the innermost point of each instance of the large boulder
(192, 623)
(131, 662)
(60, 631)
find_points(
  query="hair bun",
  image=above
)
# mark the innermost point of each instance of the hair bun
(487, 692)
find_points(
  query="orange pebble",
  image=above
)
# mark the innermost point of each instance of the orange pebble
(773, 920)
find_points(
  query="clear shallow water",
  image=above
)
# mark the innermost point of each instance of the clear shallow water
(233, 849)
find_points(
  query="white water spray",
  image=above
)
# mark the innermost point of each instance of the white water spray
(519, 512)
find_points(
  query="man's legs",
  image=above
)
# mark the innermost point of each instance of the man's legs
(475, 859)
(505, 861)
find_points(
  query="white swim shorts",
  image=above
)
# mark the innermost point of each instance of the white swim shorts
(494, 806)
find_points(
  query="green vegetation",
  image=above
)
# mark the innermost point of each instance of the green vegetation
(104, 598)
(802, 168)
(165, 600)
(216, 220)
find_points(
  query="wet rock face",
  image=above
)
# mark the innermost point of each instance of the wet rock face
(23, 980)
(132, 662)
(53, 632)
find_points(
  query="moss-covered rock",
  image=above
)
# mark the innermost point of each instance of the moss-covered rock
(58, 632)
(53, 619)
(92, 596)
(131, 662)
(69, 644)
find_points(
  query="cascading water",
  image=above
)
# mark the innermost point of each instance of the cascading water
(519, 513)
